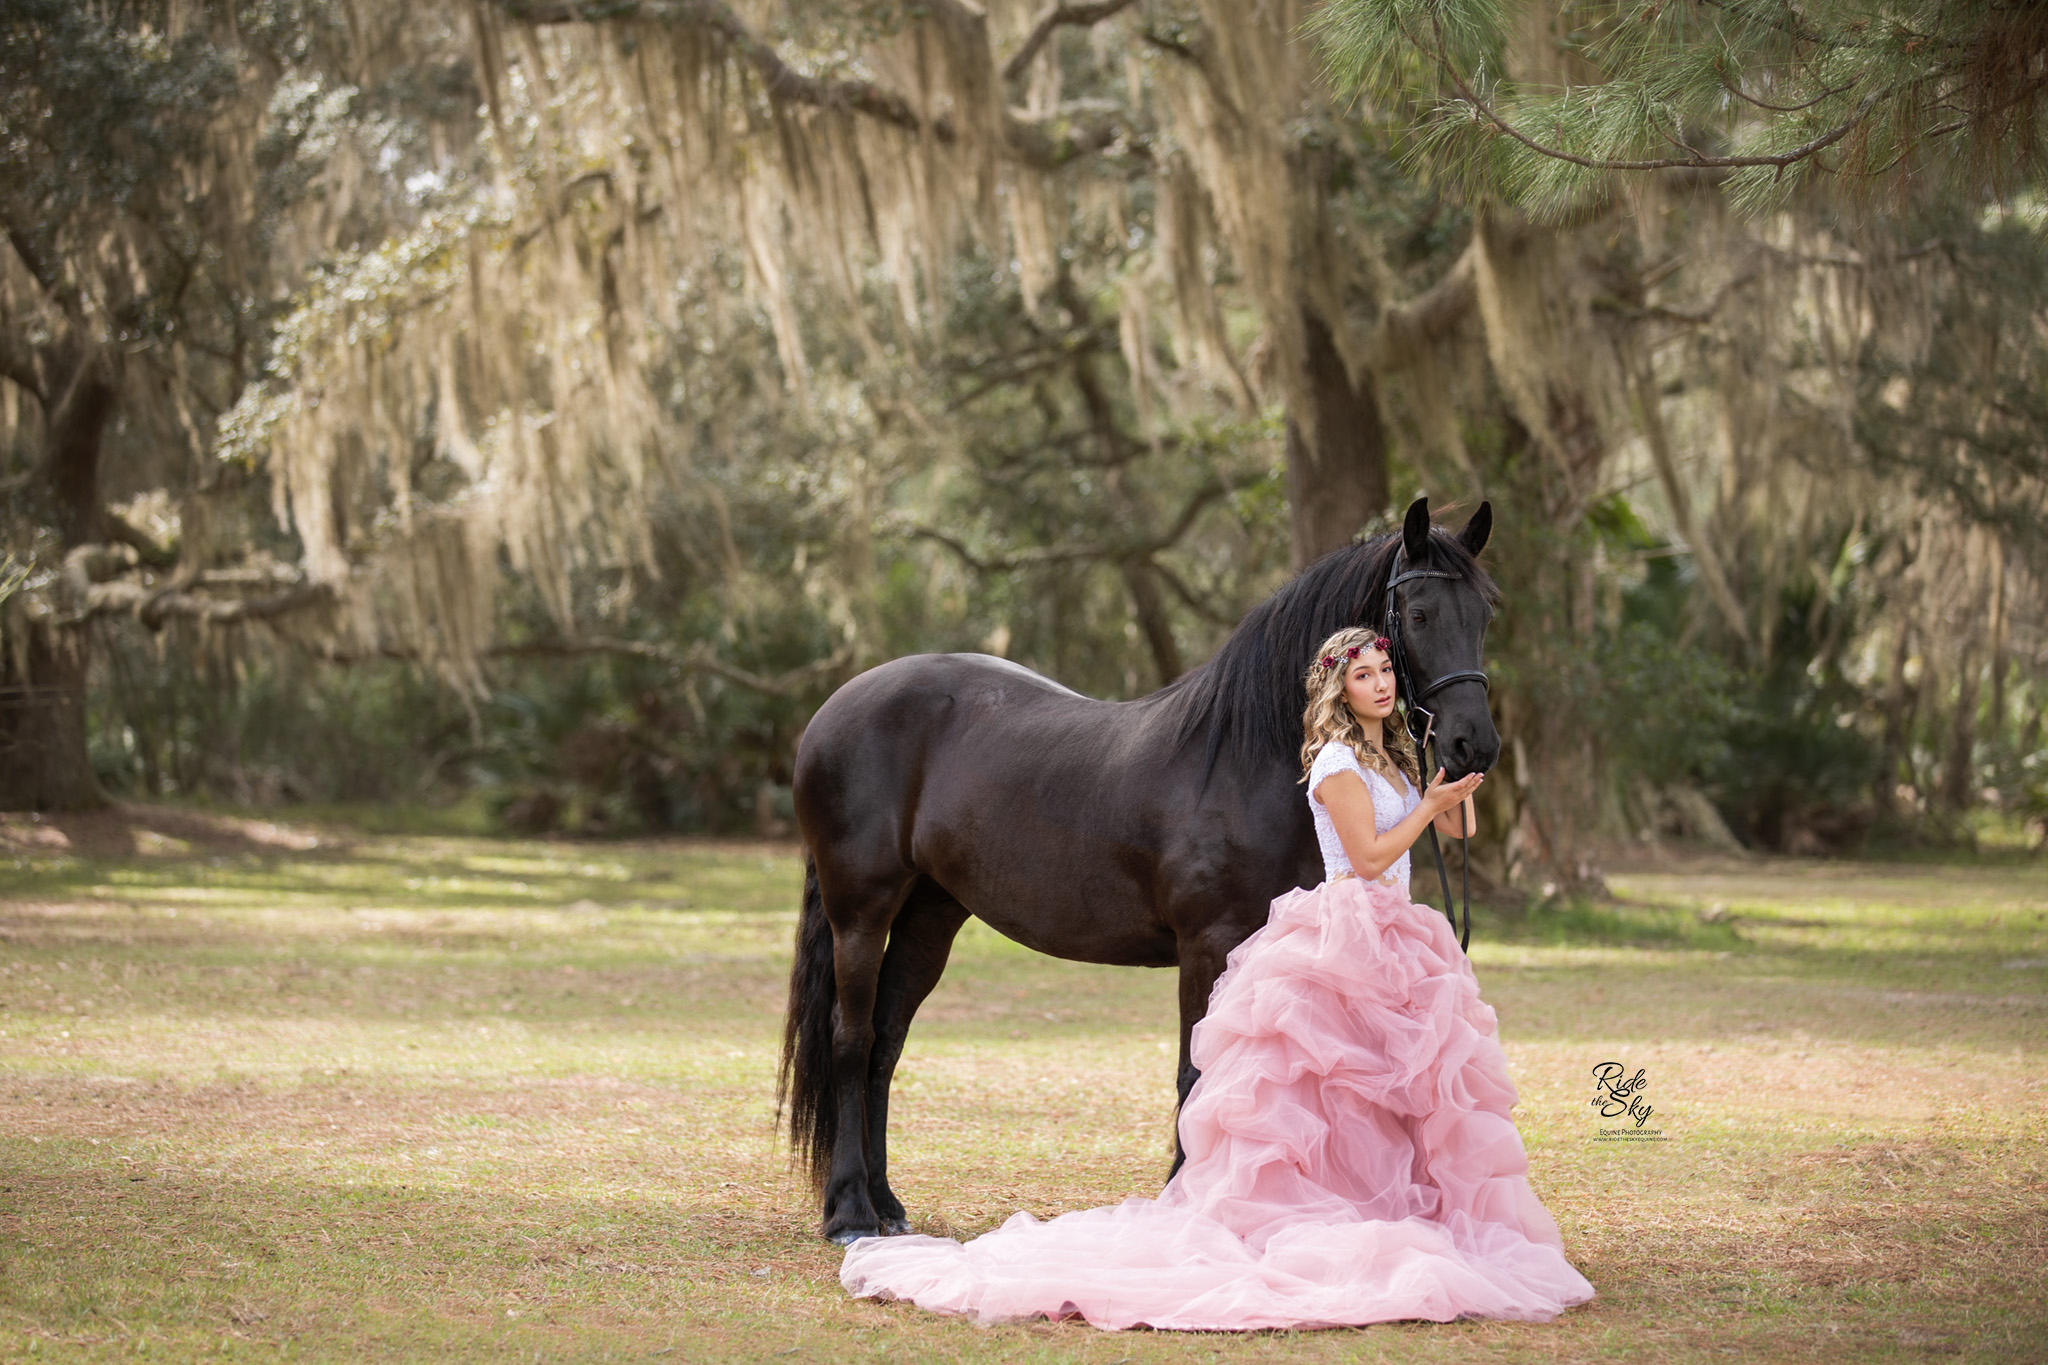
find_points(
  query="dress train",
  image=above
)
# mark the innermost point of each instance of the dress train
(1350, 1158)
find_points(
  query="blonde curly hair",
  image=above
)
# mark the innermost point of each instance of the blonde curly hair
(1329, 718)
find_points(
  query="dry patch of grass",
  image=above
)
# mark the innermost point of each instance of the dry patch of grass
(353, 1096)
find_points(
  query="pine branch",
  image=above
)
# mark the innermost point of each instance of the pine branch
(1775, 19)
(1782, 80)
(1732, 88)
(1693, 160)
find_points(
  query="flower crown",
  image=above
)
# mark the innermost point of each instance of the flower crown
(1382, 644)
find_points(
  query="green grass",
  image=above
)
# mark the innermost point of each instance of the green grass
(419, 1097)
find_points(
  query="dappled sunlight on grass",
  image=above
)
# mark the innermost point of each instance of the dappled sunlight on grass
(446, 1096)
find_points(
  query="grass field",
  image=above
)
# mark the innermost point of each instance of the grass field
(269, 1090)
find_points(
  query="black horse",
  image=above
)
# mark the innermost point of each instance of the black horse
(1147, 833)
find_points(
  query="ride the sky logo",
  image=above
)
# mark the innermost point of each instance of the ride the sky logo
(1621, 1099)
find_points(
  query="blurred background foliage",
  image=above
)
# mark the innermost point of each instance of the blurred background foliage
(540, 408)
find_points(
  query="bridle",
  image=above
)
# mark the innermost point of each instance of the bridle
(1422, 727)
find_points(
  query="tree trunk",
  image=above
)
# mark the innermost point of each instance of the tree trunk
(1995, 713)
(1153, 620)
(43, 762)
(71, 449)
(1958, 787)
(1898, 719)
(1336, 452)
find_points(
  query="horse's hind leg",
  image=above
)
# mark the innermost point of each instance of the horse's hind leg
(860, 915)
(1203, 956)
(919, 943)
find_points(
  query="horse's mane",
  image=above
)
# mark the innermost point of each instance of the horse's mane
(1247, 700)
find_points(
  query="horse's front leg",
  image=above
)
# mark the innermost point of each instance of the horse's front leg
(1202, 958)
(919, 944)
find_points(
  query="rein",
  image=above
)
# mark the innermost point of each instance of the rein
(1422, 727)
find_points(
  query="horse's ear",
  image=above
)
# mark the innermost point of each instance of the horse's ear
(1415, 532)
(1478, 530)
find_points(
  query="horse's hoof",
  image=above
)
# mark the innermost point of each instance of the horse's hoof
(846, 1237)
(895, 1227)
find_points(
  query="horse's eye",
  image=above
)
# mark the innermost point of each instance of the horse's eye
(1417, 617)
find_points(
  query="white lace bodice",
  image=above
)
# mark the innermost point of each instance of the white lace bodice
(1389, 808)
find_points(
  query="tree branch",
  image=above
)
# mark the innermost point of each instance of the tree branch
(1102, 551)
(1027, 558)
(696, 659)
(1027, 141)
(31, 261)
(784, 83)
(152, 606)
(122, 532)
(1052, 142)
(1172, 46)
(1201, 498)
(1194, 601)
(1405, 329)
(1658, 438)
(1065, 348)
(21, 367)
(1777, 259)
(564, 204)
(1052, 17)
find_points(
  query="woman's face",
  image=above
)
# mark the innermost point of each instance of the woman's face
(1369, 685)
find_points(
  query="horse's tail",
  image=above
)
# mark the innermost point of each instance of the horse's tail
(805, 1085)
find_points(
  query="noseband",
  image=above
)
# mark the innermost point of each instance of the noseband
(1422, 726)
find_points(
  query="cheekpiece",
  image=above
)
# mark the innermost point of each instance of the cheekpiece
(1382, 644)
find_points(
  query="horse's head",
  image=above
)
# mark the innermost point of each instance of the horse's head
(1249, 697)
(1438, 604)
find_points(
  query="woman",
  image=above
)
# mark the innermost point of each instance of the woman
(1349, 1153)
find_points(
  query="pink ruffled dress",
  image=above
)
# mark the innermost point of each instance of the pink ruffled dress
(1350, 1158)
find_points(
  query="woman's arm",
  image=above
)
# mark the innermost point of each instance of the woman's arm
(1447, 823)
(1350, 805)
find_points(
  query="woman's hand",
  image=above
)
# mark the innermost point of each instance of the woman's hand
(1443, 796)
(1349, 802)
